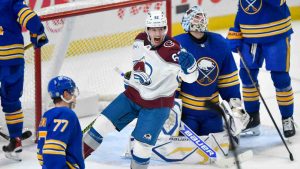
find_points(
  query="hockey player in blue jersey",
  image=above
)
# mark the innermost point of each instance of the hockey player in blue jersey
(157, 63)
(15, 14)
(59, 133)
(218, 75)
(261, 32)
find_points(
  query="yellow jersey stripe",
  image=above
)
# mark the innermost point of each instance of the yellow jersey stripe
(288, 93)
(53, 147)
(237, 82)
(24, 15)
(265, 25)
(28, 18)
(268, 34)
(235, 73)
(52, 141)
(14, 121)
(13, 117)
(71, 166)
(193, 107)
(54, 152)
(265, 30)
(285, 103)
(250, 99)
(12, 46)
(198, 98)
(288, 54)
(248, 90)
(227, 80)
(289, 98)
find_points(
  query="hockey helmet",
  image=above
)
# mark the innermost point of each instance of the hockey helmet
(194, 19)
(59, 84)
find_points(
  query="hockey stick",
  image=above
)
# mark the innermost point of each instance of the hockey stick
(28, 46)
(265, 104)
(217, 108)
(89, 126)
(24, 135)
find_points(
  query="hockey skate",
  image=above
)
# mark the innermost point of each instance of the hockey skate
(288, 127)
(13, 149)
(253, 127)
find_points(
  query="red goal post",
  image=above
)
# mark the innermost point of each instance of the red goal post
(91, 44)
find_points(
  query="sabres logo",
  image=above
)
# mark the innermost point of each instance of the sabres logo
(208, 71)
(251, 6)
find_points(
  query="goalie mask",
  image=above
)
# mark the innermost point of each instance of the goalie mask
(194, 20)
(156, 27)
(59, 84)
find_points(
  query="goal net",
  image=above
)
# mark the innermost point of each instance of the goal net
(87, 41)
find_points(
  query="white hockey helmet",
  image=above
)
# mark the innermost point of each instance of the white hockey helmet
(156, 19)
(194, 19)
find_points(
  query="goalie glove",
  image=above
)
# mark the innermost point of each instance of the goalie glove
(238, 112)
(236, 116)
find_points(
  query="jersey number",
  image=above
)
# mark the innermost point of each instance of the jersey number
(59, 122)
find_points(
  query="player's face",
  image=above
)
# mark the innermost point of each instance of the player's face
(156, 35)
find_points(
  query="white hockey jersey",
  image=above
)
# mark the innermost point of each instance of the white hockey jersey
(159, 68)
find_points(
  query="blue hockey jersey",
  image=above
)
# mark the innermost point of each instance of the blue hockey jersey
(13, 15)
(60, 140)
(263, 21)
(218, 74)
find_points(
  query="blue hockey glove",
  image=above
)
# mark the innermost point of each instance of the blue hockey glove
(235, 39)
(187, 62)
(142, 77)
(38, 40)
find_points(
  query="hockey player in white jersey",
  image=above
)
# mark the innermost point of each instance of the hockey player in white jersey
(157, 65)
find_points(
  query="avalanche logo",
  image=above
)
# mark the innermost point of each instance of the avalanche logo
(208, 71)
(169, 44)
(251, 6)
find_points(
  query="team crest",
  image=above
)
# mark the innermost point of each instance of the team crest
(169, 43)
(251, 6)
(208, 71)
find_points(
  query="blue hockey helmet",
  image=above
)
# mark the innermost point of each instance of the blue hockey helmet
(59, 84)
(194, 19)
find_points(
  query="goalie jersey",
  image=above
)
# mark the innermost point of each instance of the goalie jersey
(218, 74)
(13, 15)
(263, 21)
(60, 140)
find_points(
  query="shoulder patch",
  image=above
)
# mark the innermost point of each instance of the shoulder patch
(169, 43)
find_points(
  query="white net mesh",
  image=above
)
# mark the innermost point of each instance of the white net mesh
(86, 48)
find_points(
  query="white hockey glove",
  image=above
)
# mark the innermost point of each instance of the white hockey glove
(239, 112)
(142, 77)
(236, 116)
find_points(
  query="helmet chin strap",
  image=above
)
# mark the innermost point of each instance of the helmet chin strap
(70, 102)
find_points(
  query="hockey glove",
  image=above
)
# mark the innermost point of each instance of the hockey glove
(239, 112)
(126, 79)
(187, 62)
(142, 77)
(235, 39)
(38, 40)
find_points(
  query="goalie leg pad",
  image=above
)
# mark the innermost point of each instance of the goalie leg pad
(141, 152)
